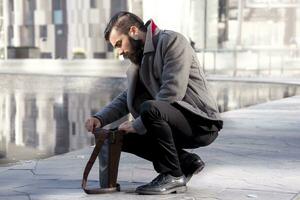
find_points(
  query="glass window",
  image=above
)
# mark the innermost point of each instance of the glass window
(11, 5)
(93, 4)
(43, 31)
(58, 17)
(10, 31)
(1, 8)
(73, 128)
(57, 4)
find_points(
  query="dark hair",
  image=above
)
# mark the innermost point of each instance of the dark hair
(122, 21)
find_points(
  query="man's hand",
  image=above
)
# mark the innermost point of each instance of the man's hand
(126, 127)
(92, 123)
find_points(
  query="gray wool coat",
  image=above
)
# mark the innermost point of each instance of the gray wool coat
(170, 72)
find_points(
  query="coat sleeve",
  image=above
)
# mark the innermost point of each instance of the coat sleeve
(138, 125)
(116, 109)
(177, 58)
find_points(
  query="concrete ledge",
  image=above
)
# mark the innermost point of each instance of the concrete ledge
(89, 67)
(285, 80)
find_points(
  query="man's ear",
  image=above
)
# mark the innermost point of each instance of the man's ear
(133, 32)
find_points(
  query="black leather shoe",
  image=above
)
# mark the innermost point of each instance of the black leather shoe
(164, 184)
(195, 167)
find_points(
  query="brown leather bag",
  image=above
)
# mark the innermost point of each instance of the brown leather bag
(114, 138)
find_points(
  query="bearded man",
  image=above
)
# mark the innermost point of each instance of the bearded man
(167, 96)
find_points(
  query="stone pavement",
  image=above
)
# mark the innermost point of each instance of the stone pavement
(256, 156)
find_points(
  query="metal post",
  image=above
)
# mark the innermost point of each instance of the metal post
(240, 22)
(282, 61)
(269, 61)
(235, 62)
(203, 59)
(205, 31)
(215, 60)
(258, 65)
(239, 34)
(205, 24)
(5, 25)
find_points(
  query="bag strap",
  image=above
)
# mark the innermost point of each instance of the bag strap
(115, 145)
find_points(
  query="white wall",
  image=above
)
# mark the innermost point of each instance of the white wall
(186, 17)
(168, 14)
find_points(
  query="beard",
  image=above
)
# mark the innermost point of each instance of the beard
(138, 50)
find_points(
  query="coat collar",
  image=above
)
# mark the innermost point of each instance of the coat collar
(152, 31)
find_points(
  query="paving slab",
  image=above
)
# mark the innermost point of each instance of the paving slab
(256, 156)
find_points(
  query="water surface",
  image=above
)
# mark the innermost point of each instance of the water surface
(41, 116)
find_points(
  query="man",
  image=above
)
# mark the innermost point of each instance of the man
(168, 97)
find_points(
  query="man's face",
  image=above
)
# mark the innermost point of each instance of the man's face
(127, 46)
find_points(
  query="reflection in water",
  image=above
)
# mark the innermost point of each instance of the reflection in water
(235, 95)
(42, 116)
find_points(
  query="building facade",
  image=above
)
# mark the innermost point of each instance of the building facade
(70, 29)
(63, 29)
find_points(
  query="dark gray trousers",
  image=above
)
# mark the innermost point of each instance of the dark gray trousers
(170, 130)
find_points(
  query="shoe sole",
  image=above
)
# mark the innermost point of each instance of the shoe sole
(177, 190)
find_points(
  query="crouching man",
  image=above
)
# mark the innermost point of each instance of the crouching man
(168, 97)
